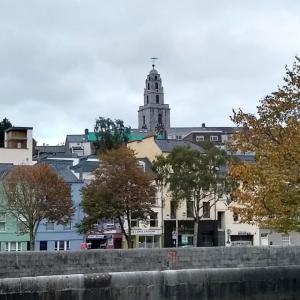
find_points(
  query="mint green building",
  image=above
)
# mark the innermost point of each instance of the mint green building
(11, 236)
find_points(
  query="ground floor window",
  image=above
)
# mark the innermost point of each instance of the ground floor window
(149, 241)
(285, 240)
(13, 246)
(62, 245)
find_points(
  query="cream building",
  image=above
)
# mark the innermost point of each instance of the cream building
(17, 146)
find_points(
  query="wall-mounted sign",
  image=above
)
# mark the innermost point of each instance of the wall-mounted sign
(148, 231)
(95, 236)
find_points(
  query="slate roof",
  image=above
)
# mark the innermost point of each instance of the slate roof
(76, 138)
(187, 130)
(5, 169)
(51, 149)
(86, 166)
(62, 167)
(169, 145)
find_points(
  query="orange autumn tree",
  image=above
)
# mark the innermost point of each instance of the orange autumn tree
(120, 190)
(269, 189)
(34, 193)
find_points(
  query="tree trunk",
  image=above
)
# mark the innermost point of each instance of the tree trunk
(196, 228)
(124, 232)
(31, 238)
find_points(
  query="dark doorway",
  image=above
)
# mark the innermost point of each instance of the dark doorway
(43, 246)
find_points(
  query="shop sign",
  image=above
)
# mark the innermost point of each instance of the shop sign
(145, 231)
(95, 236)
(244, 233)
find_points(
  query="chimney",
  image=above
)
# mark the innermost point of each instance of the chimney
(203, 125)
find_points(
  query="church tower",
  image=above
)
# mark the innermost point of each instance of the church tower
(154, 115)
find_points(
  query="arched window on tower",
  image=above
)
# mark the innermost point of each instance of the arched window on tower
(147, 99)
(148, 86)
(157, 99)
(144, 120)
(159, 118)
(156, 85)
(155, 77)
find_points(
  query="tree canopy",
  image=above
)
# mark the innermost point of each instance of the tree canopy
(110, 134)
(269, 189)
(4, 124)
(120, 190)
(195, 177)
(34, 193)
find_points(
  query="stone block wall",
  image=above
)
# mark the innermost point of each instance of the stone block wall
(25, 264)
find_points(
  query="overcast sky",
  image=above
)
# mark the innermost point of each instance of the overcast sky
(64, 63)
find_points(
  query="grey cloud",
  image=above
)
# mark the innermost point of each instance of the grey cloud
(63, 63)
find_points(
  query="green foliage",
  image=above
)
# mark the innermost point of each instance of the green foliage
(191, 175)
(4, 124)
(110, 134)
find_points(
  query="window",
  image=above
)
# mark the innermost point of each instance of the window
(2, 221)
(148, 86)
(173, 210)
(13, 246)
(285, 240)
(156, 85)
(221, 220)
(159, 119)
(155, 77)
(190, 209)
(147, 99)
(62, 245)
(179, 137)
(153, 219)
(67, 226)
(49, 226)
(149, 241)
(157, 99)
(21, 227)
(235, 217)
(134, 221)
(206, 210)
(199, 138)
(144, 120)
(214, 138)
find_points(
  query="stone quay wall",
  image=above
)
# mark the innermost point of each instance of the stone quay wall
(28, 264)
(255, 283)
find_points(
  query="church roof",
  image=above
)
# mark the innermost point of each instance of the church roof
(169, 145)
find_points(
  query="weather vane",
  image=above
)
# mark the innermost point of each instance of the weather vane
(153, 61)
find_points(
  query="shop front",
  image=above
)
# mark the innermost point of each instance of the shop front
(146, 238)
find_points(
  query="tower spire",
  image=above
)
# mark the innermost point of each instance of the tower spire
(153, 61)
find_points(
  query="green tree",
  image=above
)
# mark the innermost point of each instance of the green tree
(269, 189)
(190, 175)
(4, 124)
(120, 190)
(110, 134)
(34, 193)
